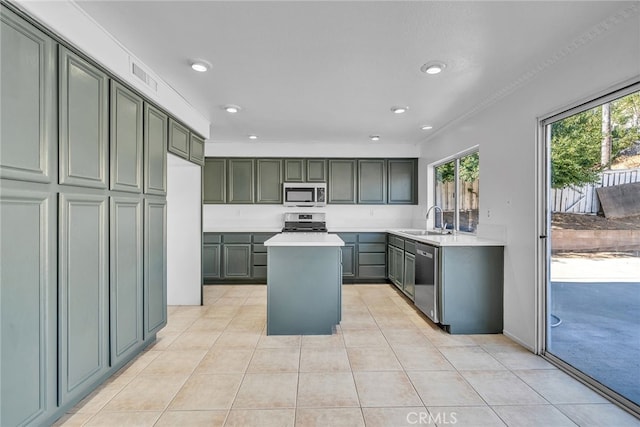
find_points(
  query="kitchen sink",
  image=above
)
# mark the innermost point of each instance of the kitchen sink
(425, 232)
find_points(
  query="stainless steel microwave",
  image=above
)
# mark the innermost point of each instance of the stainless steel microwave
(304, 194)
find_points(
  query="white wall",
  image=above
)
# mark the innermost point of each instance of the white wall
(184, 236)
(506, 133)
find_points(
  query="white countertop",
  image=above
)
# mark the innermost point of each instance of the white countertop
(458, 239)
(305, 239)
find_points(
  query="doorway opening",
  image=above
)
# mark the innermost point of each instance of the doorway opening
(592, 292)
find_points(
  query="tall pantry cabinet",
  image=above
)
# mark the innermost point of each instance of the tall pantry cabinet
(82, 224)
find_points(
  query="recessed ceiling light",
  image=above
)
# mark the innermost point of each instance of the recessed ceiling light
(433, 67)
(374, 137)
(399, 110)
(253, 136)
(426, 127)
(230, 108)
(200, 65)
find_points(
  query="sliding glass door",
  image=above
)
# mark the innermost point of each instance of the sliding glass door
(593, 243)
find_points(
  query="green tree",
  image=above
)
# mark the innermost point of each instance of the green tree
(469, 169)
(576, 141)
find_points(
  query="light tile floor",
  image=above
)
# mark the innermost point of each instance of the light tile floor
(387, 365)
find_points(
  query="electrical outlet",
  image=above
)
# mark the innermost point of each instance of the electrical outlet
(488, 213)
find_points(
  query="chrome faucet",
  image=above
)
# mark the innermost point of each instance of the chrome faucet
(443, 226)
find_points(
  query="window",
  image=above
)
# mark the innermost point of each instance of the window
(457, 184)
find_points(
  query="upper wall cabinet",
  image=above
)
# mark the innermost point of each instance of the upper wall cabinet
(342, 181)
(179, 139)
(214, 188)
(402, 181)
(196, 151)
(83, 122)
(294, 170)
(316, 170)
(126, 139)
(155, 151)
(372, 182)
(27, 123)
(269, 181)
(240, 181)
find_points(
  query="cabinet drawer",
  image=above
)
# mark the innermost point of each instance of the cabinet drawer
(211, 238)
(410, 246)
(396, 241)
(259, 248)
(372, 238)
(372, 271)
(260, 272)
(259, 259)
(237, 238)
(348, 237)
(371, 258)
(261, 237)
(372, 247)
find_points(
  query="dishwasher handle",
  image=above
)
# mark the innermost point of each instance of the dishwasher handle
(425, 254)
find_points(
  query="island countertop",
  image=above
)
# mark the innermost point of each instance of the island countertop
(305, 239)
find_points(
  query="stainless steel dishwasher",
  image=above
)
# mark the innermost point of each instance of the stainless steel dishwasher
(427, 280)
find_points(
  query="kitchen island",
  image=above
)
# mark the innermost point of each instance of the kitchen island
(304, 283)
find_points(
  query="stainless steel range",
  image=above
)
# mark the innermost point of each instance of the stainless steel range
(310, 222)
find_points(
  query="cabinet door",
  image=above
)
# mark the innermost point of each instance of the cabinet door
(372, 181)
(28, 139)
(196, 151)
(83, 122)
(316, 170)
(211, 261)
(409, 274)
(342, 181)
(269, 182)
(155, 266)
(83, 292)
(126, 139)
(294, 170)
(237, 261)
(215, 181)
(126, 276)
(402, 181)
(179, 139)
(349, 260)
(240, 181)
(28, 307)
(155, 151)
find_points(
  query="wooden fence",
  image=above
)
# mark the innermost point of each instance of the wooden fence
(445, 195)
(585, 199)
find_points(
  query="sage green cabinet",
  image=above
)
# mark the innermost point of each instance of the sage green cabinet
(196, 149)
(409, 276)
(28, 139)
(28, 307)
(396, 265)
(316, 170)
(179, 139)
(294, 170)
(155, 266)
(269, 181)
(126, 139)
(402, 181)
(236, 261)
(215, 181)
(342, 181)
(211, 261)
(155, 151)
(372, 181)
(83, 288)
(349, 260)
(126, 285)
(83, 122)
(240, 180)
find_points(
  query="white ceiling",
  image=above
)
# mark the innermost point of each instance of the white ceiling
(330, 71)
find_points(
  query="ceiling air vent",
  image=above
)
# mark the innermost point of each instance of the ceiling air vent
(144, 76)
